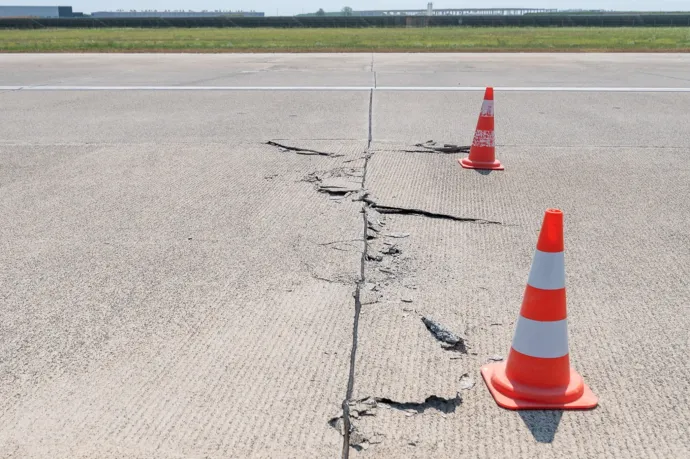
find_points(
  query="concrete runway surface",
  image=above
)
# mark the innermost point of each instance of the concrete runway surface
(173, 286)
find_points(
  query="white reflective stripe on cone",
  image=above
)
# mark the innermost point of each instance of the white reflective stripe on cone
(487, 108)
(546, 340)
(484, 139)
(548, 271)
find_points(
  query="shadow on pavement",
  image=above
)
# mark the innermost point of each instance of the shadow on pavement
(542, 424)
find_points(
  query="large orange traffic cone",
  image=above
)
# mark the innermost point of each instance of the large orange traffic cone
(483, 150)
(537, 373)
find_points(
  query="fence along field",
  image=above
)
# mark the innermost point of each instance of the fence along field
(528, 20)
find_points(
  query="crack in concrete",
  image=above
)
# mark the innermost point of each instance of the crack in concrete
(347, 423)
(371, 113)
(368, 406)
(664, 76)
(432, 147)
(339, 242)
(425, 213)
(302, 151)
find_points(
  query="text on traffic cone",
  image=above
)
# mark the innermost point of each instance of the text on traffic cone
(483, 150)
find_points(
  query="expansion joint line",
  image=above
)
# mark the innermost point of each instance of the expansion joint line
(347, 426)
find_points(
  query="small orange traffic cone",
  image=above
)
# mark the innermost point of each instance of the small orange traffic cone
(537, 374)
(483, 150)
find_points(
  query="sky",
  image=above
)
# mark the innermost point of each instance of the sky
(290, 7)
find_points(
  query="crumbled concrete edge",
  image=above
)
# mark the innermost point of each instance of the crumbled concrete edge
(369, 406)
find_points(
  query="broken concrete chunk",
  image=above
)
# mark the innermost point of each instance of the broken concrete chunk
(371, 257)
(312, 177)
(444, 335)
(374, 220)
(356, 409)
(391, 249)
(364, 407)
(361, 195)
(337, 423)
(368, 294)
(440, 333)
(363, 441)
(466, 382)
(495, 358)
(368, 297)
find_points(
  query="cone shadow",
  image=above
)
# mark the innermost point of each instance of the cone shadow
(542, 424)
(483, 171)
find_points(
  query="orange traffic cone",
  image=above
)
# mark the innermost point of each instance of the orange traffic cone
(483, 150)
(537, 373)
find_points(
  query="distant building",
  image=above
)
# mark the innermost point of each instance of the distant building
(37, 12)
(430, 11)
(175, 14)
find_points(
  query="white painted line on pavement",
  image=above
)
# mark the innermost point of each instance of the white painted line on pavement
(341, 88)
(193, 88)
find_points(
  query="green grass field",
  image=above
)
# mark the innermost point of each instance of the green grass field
(347, 40)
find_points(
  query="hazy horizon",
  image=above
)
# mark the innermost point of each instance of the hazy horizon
(277, 7)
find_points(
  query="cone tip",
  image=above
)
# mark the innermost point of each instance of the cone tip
(551, 234)
(489, 94)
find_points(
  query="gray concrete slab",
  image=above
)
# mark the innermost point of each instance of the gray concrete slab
(634, 179)
(136, 117)
(626, 262)
(180, 69)
(171, 286)
(524, 69)
(168, 300)
(554, 119)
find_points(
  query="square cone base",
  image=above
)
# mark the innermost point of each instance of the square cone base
(468, 164)
(587, 401)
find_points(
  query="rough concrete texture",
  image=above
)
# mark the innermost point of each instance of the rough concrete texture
(186, 70)
(162, 300)
(185, 117)
(472, 69)
(171, 285)
(528, 69)
(538, 119)
(627, 263)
